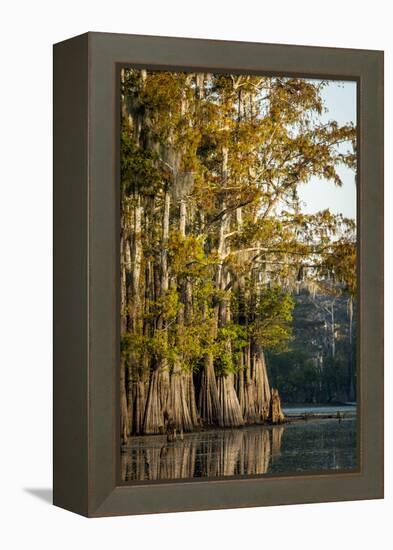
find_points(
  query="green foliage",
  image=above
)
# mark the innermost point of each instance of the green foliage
(341, 264)
(190, 346)
(138, 168)
(273, 315)
(294, 372)
(231, 339)
(188, 258)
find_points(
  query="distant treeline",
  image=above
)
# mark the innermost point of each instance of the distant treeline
(320, 363)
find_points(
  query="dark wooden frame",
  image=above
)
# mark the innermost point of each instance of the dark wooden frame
(86, 273)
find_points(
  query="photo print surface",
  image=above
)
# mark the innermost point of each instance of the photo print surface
(238, 288)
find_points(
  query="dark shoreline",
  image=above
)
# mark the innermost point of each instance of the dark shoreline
(296, 419)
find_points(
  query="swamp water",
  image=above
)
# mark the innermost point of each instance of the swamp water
(300, 447)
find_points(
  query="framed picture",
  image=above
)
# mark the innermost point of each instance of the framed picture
(218, 274)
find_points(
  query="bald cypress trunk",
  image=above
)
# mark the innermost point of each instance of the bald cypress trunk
(132, 257)
(133, 262)
(229, 403)
(154, 416)
(182, 406)
(179, 405)
(124, 418)
(351, 387)
(209, 404)
(230, 408)
(188, 375)
(157, 401)
(123, 403)
(276, 414)
(240, 383)
(249, 409)
(191, 400)
(262, 388)
(139, 402)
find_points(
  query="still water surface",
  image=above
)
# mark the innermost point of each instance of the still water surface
(316, 445)
(293, 410)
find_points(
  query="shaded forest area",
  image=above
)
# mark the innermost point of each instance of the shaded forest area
(214, 243)
(319, 366)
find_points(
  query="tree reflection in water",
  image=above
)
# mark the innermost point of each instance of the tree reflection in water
(247, 451)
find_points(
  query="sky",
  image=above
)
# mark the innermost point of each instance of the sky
(340, 100)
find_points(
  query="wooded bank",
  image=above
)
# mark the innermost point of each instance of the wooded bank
(214, 242)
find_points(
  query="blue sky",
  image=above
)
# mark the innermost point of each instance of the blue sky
(340, 100)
